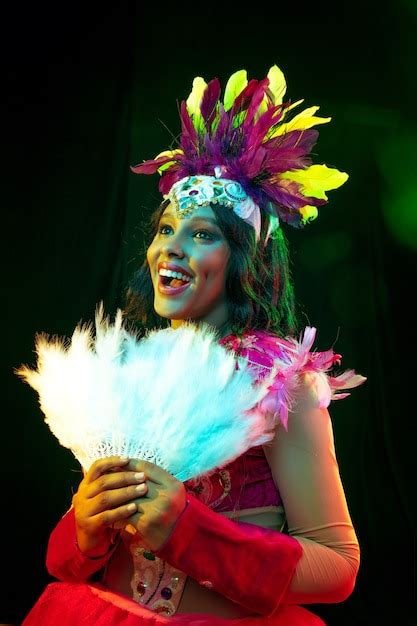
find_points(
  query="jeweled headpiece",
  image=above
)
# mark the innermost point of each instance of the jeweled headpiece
(246, 154)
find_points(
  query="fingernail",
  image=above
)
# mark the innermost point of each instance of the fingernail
(140, 487)
(131, 506)
(140, 475)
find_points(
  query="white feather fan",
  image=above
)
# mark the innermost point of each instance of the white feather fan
(174, 397)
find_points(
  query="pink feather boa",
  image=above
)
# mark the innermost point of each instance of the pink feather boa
(292, 362)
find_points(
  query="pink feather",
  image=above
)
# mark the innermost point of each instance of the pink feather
(292, 363)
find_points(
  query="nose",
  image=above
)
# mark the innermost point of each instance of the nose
(173, 247)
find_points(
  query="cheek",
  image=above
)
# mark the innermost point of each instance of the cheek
(216, 269)
(151, 254)
(224, 264)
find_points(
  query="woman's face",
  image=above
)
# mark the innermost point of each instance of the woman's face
(194, 246)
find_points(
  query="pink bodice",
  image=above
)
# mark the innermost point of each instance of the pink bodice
(245, 483)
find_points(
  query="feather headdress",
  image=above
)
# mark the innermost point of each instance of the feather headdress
(174, 397)
(249, 139)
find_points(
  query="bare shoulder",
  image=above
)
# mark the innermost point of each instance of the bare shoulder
(309, 425)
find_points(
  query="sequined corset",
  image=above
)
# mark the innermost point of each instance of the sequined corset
(155, 583)
(246, 483)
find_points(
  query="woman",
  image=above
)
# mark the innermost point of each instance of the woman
(271, 530)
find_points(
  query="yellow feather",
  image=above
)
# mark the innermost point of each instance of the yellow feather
(235, 85)
(295, 104)
(302, 121)
(284, 113)
(277, 84)
(169, 153)
(316, 179)
(309, 213)
(277, 87)
(195, 97)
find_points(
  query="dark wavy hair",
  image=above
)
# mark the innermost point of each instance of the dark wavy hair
(258, 282)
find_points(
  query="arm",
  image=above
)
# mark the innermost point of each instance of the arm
(229, 556)
(64, 559)
(305, 470)
(250, 565)
(83, 541)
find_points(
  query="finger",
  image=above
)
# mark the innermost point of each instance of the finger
(116, 517)
(114, 480)
(114, 498)
(106, 464)
(153, 472)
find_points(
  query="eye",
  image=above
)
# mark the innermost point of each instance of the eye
(162, 229)
(165, 229)
(205, 233)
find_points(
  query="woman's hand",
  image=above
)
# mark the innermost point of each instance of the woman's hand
(160, 507)
(105, 500)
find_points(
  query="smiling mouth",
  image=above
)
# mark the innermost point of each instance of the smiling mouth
(170, 286)
(170, 281)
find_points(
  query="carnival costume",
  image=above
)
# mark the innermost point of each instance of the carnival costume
(246, 155)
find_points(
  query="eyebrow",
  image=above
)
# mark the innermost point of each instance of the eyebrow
(205, 219)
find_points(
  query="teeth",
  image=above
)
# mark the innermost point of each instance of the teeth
(171, 274)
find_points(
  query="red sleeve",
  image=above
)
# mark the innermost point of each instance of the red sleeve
(64, 560)
(250, 565)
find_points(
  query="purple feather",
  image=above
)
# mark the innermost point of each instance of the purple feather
(301, 140)
(252, 162)
(285, 161)
(171, 176)
(287, 192)
(222, 126)
(244, 99)
(257, 97)
(265, 123)
(151, 166)
(243, 146)
(189, 136)
(304, 139)
(210, 99)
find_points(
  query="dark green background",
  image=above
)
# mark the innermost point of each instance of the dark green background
(89, 90)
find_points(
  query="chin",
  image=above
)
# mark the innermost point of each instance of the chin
(169, 312)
